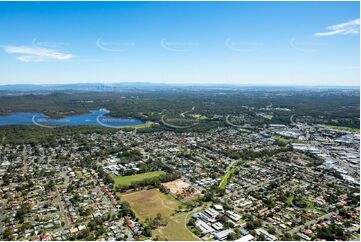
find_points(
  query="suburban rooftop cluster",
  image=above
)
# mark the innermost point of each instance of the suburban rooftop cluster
(298, 182)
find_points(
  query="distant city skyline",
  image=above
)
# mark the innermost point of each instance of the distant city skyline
(241, 43)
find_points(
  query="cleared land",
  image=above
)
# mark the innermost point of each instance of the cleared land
(181, 188)
(148, 203)
(127, 180)
(177, 186)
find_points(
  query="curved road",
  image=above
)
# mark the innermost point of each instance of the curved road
(195, 210)
(291, 119)
(182, 114)
(175, 126)
(235, 125)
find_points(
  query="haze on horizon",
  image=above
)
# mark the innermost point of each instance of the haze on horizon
(245, 43)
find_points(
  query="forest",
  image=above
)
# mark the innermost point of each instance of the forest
(196, 108)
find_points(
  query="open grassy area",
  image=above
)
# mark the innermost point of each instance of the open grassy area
(199, 116)
(290, 199)
(226, 177)
(148, 203)
(242, 221)
(311, 207)
(284, 140)
(127, 180)
(268, 117)
(141, 126)
(281, 139)
(355, 130)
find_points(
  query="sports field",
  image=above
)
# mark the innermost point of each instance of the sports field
(148, 203)
(127, 180)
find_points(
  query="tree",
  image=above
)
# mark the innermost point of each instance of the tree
(191, 223)
(7, 234)
(299, 202)
(233, 236)
(228, 225)
(261, 237)
(287, 237)
(222, 219)
(250, 225)
(147, 231)
(272, 231)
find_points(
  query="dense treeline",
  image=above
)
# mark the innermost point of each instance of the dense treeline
(248, 154)
(18, 134)
(151, 105)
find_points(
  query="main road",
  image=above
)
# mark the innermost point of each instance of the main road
(241, 127)
(301, 227)
(172, 125)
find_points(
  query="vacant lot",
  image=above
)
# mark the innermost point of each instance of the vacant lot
(127, 180)
(148, 203)
(177, 186)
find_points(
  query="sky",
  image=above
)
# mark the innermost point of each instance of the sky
(246, 43)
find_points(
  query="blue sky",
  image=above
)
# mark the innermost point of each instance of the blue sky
(259, 43)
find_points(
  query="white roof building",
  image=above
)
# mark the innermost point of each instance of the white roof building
(205, 228)
(267, 235)
(217, 226)
(218, 207)
(222, 235)
(233, 216)
(248, 237)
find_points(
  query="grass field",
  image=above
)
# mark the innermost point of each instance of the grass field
(311, 207)
(290, 199)
(141, 126)
(199, 116)
(127, 180)
(268, 117)
(281, 139)
(226, 177)
(284, 140)
(355, 130)
(148, 203)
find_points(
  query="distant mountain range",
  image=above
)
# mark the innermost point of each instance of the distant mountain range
(148, 86)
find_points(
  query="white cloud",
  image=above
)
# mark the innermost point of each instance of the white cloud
(346, 28)
(36, 54)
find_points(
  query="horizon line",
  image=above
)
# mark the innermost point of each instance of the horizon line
(177, 84)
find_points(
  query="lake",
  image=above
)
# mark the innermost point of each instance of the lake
(94, 118)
